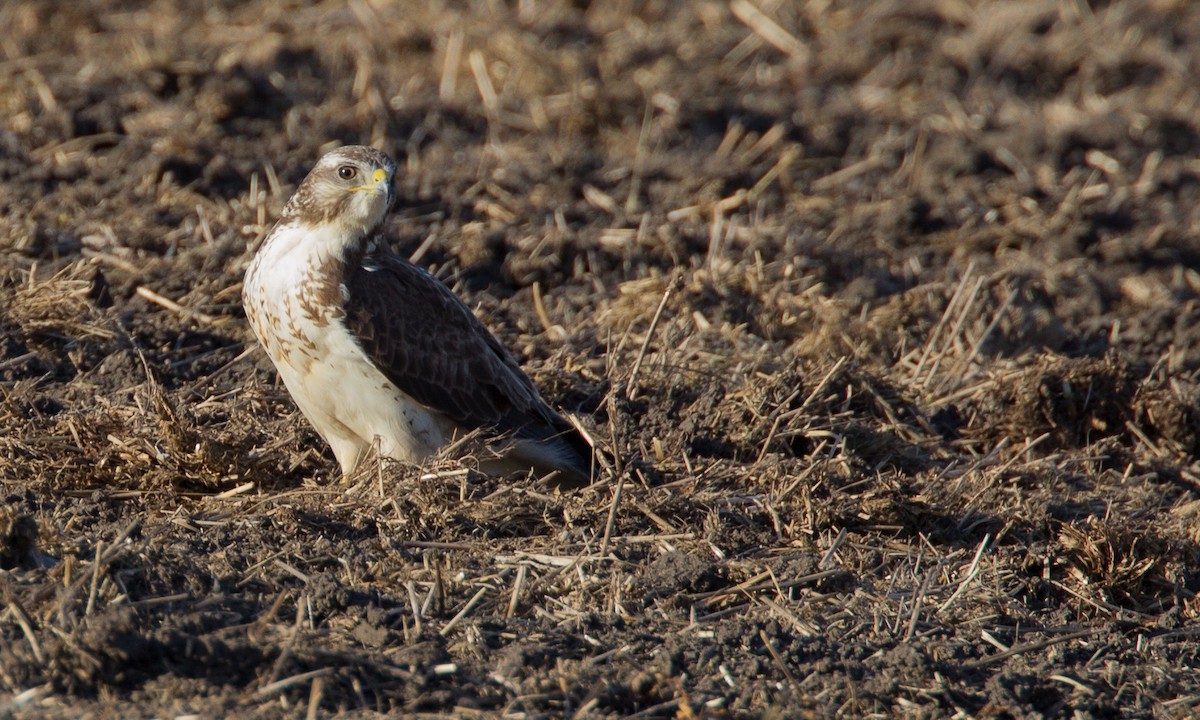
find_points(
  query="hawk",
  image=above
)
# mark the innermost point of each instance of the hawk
(375, 351)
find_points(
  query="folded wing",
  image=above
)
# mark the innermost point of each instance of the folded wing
(431, 346)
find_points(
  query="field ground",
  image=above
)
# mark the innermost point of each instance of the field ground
(889, 310)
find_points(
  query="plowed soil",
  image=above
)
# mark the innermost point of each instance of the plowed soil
(888, 312)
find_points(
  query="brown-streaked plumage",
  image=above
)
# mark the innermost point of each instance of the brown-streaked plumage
(378, 353)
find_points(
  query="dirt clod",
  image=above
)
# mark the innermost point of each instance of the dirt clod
(18, 539)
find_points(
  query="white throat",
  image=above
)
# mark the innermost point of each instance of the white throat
(292, 242)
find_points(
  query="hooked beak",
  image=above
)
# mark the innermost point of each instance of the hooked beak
(380, 184)
(379, 178)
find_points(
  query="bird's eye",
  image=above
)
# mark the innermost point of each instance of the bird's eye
(347, 172)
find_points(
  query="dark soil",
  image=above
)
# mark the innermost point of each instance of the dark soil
(916, 432)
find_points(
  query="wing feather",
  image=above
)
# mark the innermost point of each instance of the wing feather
(432, 347)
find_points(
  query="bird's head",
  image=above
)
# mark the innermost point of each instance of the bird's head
(350, 187)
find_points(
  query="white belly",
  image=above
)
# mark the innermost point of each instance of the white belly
(337, 387)
(355, 407)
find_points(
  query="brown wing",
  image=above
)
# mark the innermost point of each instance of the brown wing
(432, 347)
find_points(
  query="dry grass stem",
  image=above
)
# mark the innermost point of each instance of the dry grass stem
(174, 306)
(281, 685)
(631, 383)
(768, 29)
(462, 614)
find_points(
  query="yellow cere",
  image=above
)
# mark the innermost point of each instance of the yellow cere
(379, 176)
